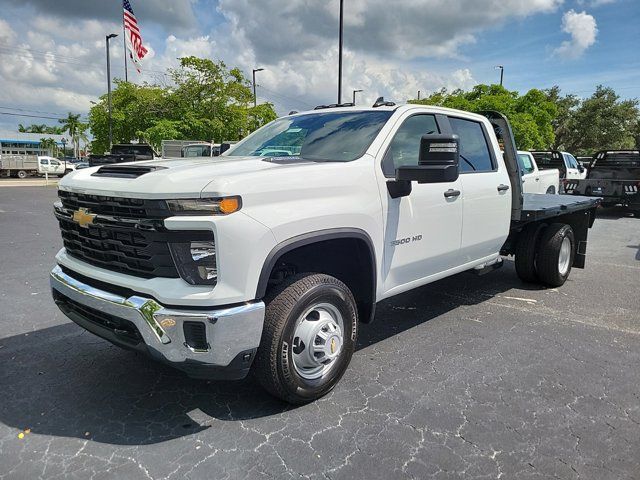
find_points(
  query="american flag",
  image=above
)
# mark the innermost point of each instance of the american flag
(132, 34)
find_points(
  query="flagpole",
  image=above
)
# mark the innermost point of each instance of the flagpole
(124, 45)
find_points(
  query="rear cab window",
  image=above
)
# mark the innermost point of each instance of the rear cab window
(475, 154)
(526, 165)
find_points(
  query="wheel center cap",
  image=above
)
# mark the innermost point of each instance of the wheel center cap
(332, 347)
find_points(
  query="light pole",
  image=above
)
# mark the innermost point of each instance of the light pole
(255, 98)
(107, 38)
(501, 67)
(418, 94)
(340, 54)
(354, 95)
(64, 154)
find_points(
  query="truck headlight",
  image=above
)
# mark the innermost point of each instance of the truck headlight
(205, 206)
(196, 261)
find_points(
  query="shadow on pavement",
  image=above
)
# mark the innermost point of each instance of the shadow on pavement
(63, 381)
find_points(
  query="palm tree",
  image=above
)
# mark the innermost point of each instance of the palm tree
(72, 124)
(48, 144)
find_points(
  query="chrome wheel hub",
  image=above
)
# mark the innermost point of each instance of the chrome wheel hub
(565, 256)
(317, 341)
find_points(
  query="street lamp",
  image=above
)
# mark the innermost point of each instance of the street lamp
(107, 38)
(64, 156)
(501, 67)
(354, 95)
(340, 54)
(255, 100)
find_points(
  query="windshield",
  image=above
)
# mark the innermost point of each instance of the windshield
(337, 136)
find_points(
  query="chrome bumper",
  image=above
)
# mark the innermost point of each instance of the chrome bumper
(230, 331)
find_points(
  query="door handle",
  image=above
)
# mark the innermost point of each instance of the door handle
(503, 188)
(537, 179)
(451, 193)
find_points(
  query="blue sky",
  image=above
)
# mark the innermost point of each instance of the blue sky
(46, 66)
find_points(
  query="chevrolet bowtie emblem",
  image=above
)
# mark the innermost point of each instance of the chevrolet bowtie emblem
(333, 345)
(83, 218)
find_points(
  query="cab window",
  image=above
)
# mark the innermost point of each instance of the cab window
(405, 146)
(525, 163)
(474, 150)
(44, 162)
(54, 162)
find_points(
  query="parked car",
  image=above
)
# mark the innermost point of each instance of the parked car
(613, 175)
(535, 180)
(271, 263)
(566, 163)
(23, 166)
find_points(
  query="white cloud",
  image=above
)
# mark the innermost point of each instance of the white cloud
(583, 30)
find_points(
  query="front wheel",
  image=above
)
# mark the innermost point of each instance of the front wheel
(22, 174)
(309, 336)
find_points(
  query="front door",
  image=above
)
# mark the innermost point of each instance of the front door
(423, 229)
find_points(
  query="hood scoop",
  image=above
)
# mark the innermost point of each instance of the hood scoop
(286, 160)
(125, 171)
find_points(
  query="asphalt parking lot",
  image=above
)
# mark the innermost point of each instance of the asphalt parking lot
(470, 377)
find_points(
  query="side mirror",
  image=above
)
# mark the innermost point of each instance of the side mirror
(224, 147)
(438, 160)
(580, 168)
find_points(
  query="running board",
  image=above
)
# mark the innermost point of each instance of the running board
(488, 267)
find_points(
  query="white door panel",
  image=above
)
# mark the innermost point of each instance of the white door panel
(422, 230)
(422, 235)
(486, 214)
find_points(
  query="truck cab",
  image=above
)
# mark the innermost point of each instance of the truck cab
(564, 162)
(269, 262)
(535, 180)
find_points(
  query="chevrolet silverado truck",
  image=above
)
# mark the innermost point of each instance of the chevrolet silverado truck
(269, 263)
(613, 175)
(535, 180)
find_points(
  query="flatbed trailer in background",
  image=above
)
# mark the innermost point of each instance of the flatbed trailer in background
(613, 175)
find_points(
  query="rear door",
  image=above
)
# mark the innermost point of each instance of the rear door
(486, 185)
(423, 229)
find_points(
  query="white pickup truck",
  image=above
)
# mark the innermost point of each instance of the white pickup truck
(245, 261)
(535, 180)
(22, 166)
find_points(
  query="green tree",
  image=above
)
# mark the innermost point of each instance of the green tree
(602, 121)
(530, 114)
(74, 126)
(40, 128)
(50, 145)
(206, 101)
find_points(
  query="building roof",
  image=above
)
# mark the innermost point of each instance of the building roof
(8, 136)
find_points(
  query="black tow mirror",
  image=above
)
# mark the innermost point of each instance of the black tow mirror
(224, 147)
(438, 160)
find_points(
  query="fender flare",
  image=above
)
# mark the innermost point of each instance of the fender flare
(314, 237)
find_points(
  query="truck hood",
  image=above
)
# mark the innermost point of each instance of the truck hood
(171, 178)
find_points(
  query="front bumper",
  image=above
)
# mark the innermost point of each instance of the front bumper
(232, 334)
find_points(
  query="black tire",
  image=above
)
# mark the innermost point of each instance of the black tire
(526, 250)
(22, 174)
(551, 190)
(274, 366)
(547, 259)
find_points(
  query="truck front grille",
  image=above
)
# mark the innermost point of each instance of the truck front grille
(120, 248)
(115, 206)
(126, 235)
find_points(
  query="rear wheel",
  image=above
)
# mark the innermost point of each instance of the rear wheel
(551, 190)
(22, 174)
(556, 252)
(526, 249)
(308, 338)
